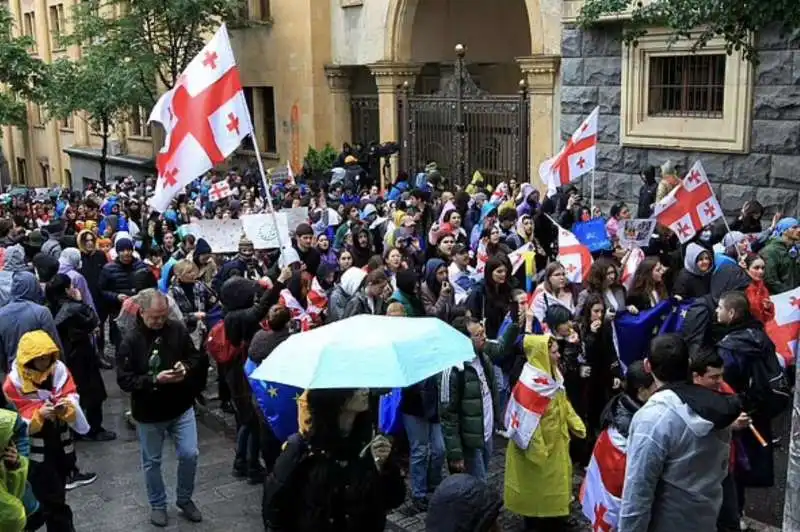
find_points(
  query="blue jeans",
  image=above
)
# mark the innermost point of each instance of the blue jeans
(476, 461)
(503, 393)
(183, 431)
(426, 443)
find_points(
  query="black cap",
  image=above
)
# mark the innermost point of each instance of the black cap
(458, 249)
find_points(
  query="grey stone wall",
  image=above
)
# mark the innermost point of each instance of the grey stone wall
(590, 75)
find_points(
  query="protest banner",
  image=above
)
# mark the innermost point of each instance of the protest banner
(636, 232)
(222, 235)
(266, 231)
(295, 217)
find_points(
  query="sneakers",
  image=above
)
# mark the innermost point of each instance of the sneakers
(129, 421)
(256, 475)
(191, 512)
(78, 479)
(159, 518)
(100, 435)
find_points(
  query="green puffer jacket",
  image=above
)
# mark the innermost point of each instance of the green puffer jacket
(460, 398)
(782, 272)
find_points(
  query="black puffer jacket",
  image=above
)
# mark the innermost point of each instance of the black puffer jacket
(619, 413)
(117, 278)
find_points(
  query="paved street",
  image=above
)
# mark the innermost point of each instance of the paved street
(116, 502)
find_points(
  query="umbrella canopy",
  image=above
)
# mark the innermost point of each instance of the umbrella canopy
(367, 352)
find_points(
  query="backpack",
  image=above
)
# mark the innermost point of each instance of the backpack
(218, 346)
(769, 388)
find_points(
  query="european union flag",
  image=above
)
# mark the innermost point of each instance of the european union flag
(278, 403)
(592, 234)
(674, 320)
(633, 333)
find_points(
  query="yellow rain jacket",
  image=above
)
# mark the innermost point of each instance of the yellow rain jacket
(538, 481)
(476, 184)
(12, 482)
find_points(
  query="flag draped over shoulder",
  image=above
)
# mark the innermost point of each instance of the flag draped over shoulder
(528, 403)
(601, 491)
(633, 332)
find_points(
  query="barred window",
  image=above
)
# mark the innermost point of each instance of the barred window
(687, 86)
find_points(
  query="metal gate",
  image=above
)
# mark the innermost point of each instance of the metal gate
(365, 119)
(463, 129)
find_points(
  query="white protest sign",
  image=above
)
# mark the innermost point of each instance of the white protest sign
(636, 232)
(222, 235)
(295, 217)
(263, 231)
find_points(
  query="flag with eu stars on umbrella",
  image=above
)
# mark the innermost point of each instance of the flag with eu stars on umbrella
(278, 403)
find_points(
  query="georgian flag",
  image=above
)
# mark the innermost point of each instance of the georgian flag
(219, 191)
(632, 261)
(601, 491)
(529, 401)
(784, 329)
(690, 206)
(574, 256)
(576, 158)
(205, 118)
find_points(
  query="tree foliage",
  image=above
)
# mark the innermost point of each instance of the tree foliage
(158, 37)
(700, 20)
(22, 76)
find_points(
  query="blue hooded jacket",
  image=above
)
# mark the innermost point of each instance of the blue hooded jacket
(475, 235)
(22, 315)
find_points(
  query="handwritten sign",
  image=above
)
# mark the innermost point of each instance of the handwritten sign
(222, 235)
(295, 217)
(263, 230)
(279, 174)
(636, 233)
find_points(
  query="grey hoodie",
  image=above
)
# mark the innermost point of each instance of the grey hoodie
(14, 262)
(676, 462)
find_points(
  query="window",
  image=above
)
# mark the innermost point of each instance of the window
(139, 125)
(68, 178)
(263, 10)
(676, 98)
(261, 106)
(57, 24)
(38, 116)
(29, 28)
(44, 168)
(687, 85)
(66, 123)
(22, 171)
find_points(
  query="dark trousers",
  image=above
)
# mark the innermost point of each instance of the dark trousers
(48, 488)
(223, 390)
(728, 519)
(94, 416)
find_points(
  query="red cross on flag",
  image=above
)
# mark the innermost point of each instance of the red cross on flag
(574, 256)
(601, 491)
(577, 157)
(528, 403)
(630, 263)
(205, 118)
(784, 329)
(219, 191)
(690, 206)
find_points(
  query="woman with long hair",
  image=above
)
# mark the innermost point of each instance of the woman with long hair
(556, 290)
(333, 475)
(648, 288)
(361, 249)
(490, 299)
(326, 253)
(761, 306)
(604, 281)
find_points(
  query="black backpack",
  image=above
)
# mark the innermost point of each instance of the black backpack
(769, 388)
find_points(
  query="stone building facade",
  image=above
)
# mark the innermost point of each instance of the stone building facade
(767, 169)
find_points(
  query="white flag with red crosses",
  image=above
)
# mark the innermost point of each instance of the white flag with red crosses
(205, 118)
(690, 206)
(784, 329)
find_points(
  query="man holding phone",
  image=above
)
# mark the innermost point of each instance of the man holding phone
(157, 363)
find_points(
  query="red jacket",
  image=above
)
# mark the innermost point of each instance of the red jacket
(760, 305)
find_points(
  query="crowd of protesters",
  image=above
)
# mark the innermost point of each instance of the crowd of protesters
(693, 418)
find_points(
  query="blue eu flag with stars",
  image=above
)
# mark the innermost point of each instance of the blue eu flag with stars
(633, 332)
(278, 403)
(592, 234)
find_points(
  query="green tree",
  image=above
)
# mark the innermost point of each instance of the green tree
(159, 37)
(22, 76)
(99, 84)
(699, 20)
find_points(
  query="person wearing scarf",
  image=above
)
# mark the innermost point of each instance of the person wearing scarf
(295, 297)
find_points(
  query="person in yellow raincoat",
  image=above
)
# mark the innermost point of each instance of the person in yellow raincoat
(13, 476)
(477, 184)
(538, 480)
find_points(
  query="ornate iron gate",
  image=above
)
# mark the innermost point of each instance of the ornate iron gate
(365, 119)
(464, 129)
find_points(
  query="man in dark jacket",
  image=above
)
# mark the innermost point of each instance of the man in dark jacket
(647, 194)
(245, 264)
(308, 254)
(116, 282)
(468, 400)
(23, 314)
(698, 327)
(156, 363)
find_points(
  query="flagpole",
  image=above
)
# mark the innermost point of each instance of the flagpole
(266, 185)
(591, 214)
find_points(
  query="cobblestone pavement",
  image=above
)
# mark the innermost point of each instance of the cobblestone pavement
(117, 502)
